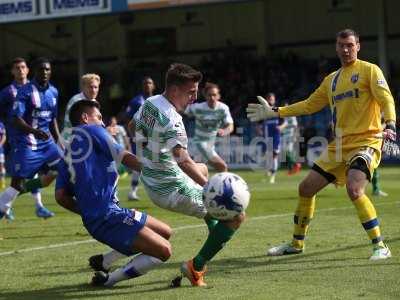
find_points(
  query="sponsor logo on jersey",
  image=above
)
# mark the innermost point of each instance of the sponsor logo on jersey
(346, 95)
(41, 113)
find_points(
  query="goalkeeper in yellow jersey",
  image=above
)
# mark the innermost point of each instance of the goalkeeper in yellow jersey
(357, 93)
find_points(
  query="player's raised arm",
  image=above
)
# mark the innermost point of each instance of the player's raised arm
(186, 163)
(257, 112)
(315, 102)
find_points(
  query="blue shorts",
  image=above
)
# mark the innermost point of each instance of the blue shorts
(25, 162)
(118, 229)
(276, 143)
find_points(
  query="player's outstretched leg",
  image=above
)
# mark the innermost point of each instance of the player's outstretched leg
(308, 188)
(103, 262)
(302, 218)
(152, 242)
(219, 235)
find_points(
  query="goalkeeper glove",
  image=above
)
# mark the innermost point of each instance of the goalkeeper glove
(257, 112)
(389, 133)
(389, 145)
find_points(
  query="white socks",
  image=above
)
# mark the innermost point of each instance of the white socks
(7, 198)
(274, 165)
(110, 257)
(138, 266)
(38, 199)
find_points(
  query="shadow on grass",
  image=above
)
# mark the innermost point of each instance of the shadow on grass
(82, 291)
(219, 267)
(315, 257)
(48, 236)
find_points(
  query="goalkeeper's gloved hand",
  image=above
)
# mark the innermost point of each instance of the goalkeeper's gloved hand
(389, 133)
(389, 145)
(257, 112)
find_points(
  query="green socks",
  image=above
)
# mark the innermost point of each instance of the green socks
(215, 242)
(211, 223)
(375, 181)
(290, 160)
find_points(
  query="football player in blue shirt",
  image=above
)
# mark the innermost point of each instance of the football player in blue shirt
(131, 109)
(272, 130)
(8, 95)
(34, 116)
(87, 185)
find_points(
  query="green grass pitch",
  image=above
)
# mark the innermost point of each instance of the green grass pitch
(48, 259)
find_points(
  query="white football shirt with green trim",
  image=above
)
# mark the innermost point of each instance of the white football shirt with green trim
(159, 128)
(208, 120)
(289, 130)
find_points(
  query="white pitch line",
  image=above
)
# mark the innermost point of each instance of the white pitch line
(176, 229)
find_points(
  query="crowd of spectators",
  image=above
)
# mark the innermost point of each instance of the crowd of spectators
(241, 75)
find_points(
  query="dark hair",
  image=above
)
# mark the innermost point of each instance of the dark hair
(208, 86)
(40, 60)
(180, 74)
(18, 60)
(80, 107)
(345, 33)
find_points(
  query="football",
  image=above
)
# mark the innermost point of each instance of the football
(226, 195)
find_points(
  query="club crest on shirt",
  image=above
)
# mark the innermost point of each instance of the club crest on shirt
(354, 78)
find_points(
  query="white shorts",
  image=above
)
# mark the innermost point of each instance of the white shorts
(206, 150)
(187, 201)
(2, 158)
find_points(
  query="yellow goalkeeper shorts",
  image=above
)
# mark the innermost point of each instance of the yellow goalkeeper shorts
(337, 162)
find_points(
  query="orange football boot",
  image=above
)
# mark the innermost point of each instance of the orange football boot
(196, 277)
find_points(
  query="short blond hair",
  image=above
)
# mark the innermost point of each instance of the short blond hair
(87, 78)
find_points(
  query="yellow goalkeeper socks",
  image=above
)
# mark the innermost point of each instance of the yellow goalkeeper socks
(367, 215)
(302, 218)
